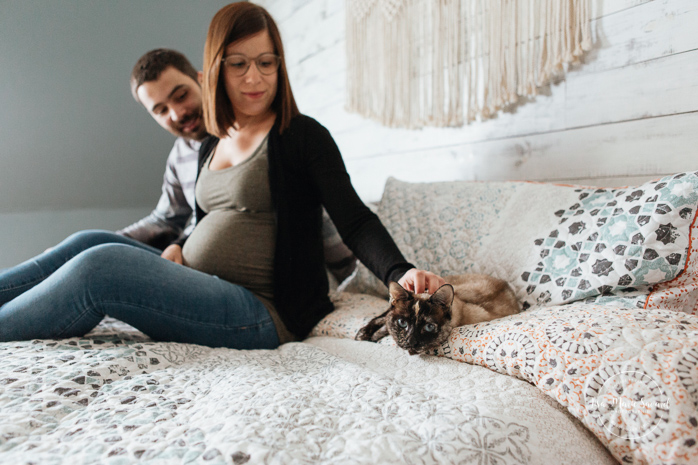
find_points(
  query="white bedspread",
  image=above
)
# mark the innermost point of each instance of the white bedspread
(114, 397)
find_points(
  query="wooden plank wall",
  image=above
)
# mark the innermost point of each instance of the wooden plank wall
(629, 112)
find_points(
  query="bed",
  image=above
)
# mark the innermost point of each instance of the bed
(600, 367)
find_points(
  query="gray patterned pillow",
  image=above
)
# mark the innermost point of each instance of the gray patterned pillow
(440, 227)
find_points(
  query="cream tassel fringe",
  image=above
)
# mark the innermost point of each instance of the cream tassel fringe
(415, 63)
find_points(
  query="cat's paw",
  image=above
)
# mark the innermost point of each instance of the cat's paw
(363, 335)
(371, 333)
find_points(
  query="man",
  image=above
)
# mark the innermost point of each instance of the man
(167, 85)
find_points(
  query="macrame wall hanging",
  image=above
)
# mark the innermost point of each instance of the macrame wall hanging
(414, 63)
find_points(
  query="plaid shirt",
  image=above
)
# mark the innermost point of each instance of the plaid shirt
(174, 210)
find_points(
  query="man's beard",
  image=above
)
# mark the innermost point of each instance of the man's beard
(199, 134)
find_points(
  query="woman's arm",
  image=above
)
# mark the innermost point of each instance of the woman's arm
(419, 281)
(359, 227)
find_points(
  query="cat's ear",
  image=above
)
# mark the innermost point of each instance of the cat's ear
(397, 292)
(443, 295)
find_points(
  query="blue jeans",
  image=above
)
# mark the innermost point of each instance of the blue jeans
(68, 290)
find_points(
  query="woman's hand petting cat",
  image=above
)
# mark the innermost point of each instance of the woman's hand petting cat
(173, 253)
(420, 281)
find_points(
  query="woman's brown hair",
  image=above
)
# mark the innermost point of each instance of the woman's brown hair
(232, 23)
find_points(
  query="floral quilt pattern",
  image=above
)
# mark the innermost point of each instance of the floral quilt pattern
(114, 397)
(630, 375)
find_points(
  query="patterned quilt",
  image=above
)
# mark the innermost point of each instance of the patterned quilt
(115, 397)
(601, 364)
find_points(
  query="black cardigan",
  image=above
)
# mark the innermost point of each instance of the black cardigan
(306, 172)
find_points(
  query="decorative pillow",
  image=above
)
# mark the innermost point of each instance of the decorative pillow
(614, 240)
(681, 293)
(629, 375)
(553, 243)
(440, 227)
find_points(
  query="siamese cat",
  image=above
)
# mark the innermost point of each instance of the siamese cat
(420, 323)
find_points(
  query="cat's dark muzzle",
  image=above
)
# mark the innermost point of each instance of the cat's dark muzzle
(419, 350)
(427, 349)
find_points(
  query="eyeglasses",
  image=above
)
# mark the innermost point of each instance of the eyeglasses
(238, 64)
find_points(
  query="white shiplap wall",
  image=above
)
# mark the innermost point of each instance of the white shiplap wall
(628, 113)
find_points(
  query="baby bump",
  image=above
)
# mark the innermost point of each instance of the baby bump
(235, 246)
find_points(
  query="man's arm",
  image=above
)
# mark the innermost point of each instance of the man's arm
(167, 222)
(164, 224)
(339, 259)
(152, 230)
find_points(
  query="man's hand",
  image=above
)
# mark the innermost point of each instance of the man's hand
(173, 253)
(420, 281)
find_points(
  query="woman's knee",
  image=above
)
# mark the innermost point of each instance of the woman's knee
(103, 261)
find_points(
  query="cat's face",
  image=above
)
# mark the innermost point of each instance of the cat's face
(419, 323)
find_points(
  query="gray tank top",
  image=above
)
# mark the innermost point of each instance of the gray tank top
(236, 239)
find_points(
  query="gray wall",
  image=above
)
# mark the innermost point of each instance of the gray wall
(75, 149)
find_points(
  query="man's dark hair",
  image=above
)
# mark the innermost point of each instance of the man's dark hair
(152, 64)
